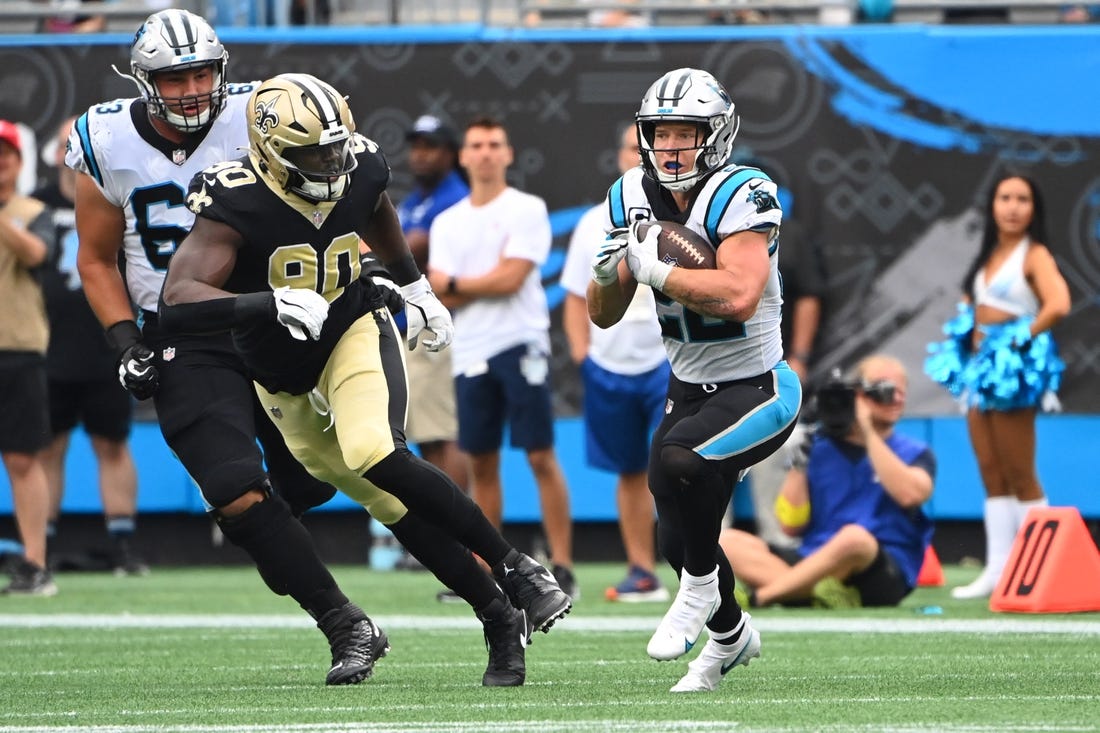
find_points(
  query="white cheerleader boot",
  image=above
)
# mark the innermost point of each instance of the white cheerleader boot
(1002, 520)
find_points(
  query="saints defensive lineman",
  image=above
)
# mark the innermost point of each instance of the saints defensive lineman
(135, 158)
(731, 399)
(273, 258)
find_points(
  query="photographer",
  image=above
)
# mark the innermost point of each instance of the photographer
(855, 500)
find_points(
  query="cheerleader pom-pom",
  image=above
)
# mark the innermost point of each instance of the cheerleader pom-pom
(944, 365)
(947, 359)
(962, 324)
(1014, 369)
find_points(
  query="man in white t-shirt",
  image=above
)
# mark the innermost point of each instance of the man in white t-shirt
(625, 372)
(484, 264)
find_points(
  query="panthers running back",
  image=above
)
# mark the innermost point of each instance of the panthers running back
(731, 400)
(273, 257)
(731, 199)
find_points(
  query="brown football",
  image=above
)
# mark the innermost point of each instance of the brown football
(679, 246)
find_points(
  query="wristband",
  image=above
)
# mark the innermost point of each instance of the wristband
(122, 336)
(404, 270)
(790, 515)
(254, 307)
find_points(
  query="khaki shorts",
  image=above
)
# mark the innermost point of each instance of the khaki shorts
(432, 415)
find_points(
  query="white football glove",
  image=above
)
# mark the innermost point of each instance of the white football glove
(641, 258)
(423, 310)
(302, 311)
(605, 263)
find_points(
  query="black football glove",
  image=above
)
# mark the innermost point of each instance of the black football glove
(136, 371)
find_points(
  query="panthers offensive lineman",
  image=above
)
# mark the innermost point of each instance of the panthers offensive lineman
(731, 399)
(273, 257)
(134, 159)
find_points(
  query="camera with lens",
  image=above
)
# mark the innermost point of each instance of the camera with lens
(836, 401)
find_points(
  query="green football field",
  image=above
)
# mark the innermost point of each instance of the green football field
(213, 650)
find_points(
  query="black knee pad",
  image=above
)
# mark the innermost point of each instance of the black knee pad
(284, 554)
(684, 466)
(256, 523)
(232, 479)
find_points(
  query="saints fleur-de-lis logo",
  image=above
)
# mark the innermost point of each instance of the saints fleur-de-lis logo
(198, 200)
(266, 116)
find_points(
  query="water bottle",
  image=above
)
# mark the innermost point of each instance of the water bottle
(385, 550)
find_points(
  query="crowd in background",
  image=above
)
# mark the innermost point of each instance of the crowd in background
(601, 14)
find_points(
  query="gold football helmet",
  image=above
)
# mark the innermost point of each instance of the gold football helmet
(300, 134)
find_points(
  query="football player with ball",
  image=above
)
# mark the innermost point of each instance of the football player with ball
(732, 400)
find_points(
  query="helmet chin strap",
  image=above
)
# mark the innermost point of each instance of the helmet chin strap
(180, 122)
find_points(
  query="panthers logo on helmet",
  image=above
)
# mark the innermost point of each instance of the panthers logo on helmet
(266, 116)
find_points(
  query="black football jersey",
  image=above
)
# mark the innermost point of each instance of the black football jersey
(291, 241)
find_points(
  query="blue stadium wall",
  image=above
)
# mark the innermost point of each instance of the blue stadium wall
(886, 137)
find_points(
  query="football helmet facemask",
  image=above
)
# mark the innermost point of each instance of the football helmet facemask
(300, 134)
(177, 40)
(695, 97)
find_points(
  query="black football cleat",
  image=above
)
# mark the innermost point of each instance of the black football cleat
(533, 589)
(356, 643)
(506, 635)
(27, 579)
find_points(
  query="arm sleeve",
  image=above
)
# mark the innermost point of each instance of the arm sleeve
(217, 314)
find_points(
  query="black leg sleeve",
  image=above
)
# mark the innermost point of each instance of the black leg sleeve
(431, 495)
(447, 560)
(284, 554)
(703, 494)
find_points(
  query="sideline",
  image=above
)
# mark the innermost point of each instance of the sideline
(1008, 625)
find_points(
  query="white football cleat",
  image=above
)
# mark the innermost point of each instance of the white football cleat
(678, 631)
(706, 670)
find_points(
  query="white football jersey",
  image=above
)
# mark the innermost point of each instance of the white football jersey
(701, 349)
(147, 177)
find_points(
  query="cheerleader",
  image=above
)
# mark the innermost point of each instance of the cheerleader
(1000, 361)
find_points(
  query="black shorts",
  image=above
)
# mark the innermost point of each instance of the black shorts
(882, 583)
(103, 407)
(701, 418)
(25, 415)
(210, 417)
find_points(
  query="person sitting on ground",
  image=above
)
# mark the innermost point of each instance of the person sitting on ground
(855, 501)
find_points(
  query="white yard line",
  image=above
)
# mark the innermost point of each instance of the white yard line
(818, 624)
(542, 726)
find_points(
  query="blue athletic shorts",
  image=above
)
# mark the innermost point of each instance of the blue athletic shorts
(620, 413)
(515, 388)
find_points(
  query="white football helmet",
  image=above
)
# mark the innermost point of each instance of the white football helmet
(300, 134)
(692, 96)
(174, 40)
